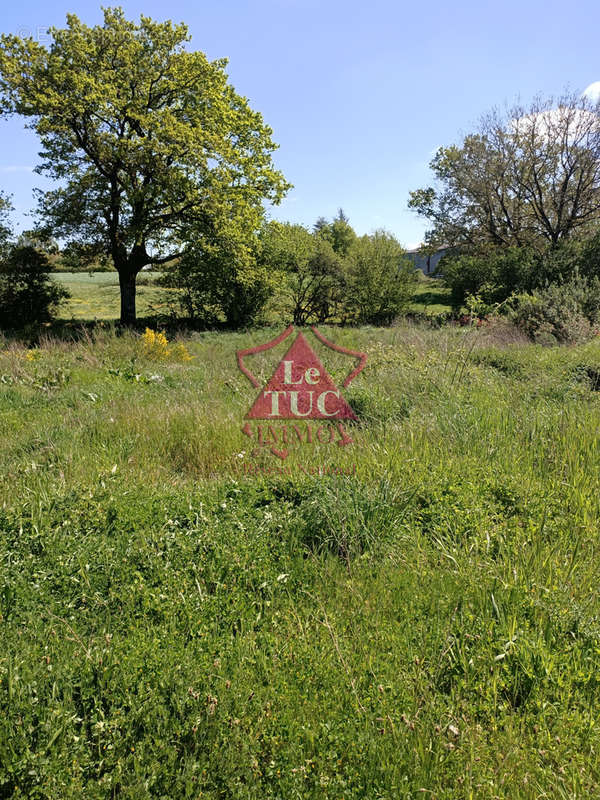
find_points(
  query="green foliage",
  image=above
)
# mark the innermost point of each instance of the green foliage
(308, 269)
(519, 203)
(496, 273)
(333, 274)
(150, 144)
(82, 257)
(339, 233)
(40, 240)
(380, 281)
(27, 294)
(589, 255)
(525, 178)
(558, 264)
(493, 274)
(505, 362)
(5, 229)
(565, 312)
(221, 280)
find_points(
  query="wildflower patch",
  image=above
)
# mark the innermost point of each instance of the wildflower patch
(155, 346)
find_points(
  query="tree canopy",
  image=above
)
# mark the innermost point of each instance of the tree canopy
(312, 276)
(148, 142)
(380, 279)
(529, 176)
(339, 233)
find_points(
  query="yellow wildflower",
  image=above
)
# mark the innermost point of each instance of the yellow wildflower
(155, 346)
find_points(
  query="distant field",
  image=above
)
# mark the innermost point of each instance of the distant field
(96, 296)
(431, 297)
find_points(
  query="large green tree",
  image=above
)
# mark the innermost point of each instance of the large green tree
(148, 143)
(527, 177)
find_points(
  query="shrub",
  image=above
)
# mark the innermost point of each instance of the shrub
(27, 294)
(381, 280)
(492, 275)
(589, 258)
(220, 281)
(567, 312)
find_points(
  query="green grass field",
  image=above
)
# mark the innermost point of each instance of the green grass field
(431, 297)
(175, 628)
(96, 295)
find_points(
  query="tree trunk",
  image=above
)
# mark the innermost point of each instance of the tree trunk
(127, 285)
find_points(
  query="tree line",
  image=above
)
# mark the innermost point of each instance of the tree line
(306, 276)
(156, 160)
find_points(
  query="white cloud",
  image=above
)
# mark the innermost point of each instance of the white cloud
(593, 92)
(552, 121)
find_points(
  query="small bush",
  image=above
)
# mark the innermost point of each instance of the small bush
(567, 312)
(27, 294)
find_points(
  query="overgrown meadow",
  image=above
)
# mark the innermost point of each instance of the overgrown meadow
(174, 627)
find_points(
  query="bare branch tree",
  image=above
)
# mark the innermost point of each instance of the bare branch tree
(527, 176)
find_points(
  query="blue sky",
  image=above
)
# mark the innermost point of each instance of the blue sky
(359, 95)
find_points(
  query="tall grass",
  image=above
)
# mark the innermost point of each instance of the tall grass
(172, 627)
